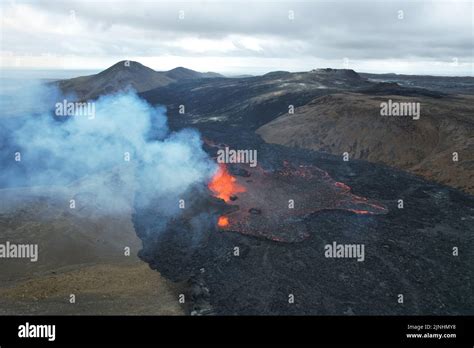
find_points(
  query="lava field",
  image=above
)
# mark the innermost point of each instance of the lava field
(251, 255)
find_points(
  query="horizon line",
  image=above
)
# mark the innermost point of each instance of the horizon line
(225, 74)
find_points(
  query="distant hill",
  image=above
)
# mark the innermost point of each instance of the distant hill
(181, 73)
(126, 74)
(450, 84)
(252, 100)
(338, 73)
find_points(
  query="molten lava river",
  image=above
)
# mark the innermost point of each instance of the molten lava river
(274, 204)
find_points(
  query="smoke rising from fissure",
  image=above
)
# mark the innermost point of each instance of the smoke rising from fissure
(125, 147)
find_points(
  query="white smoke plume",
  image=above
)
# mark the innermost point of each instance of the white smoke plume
(126, 148)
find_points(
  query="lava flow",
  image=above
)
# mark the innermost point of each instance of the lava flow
(276, 203)
(224, 185)
(223, 221)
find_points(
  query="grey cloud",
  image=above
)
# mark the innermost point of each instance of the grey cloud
(430, 30)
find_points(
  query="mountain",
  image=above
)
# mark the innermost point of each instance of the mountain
(181, 73)
(351, 122)
(251, 101)
(338, 73)
(336, 110)
(119, 76)
(123, 75)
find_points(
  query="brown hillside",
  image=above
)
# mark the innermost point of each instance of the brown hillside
(352, 122)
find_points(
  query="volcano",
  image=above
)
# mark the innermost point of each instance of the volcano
(246, 252)
(253, 237)
(273, 204)
(124, 75)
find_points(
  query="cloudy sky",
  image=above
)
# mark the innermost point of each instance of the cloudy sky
(240, 37)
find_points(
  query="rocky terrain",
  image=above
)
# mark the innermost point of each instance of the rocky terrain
(450, 84)
(351, 122)
(409, 251)
(422, 250)
(252, 101)
(338, 111)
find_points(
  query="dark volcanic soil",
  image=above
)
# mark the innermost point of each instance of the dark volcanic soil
(408, 251)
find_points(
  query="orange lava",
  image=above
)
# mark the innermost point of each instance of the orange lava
(224, 185)
(360, 212)
(223, 221)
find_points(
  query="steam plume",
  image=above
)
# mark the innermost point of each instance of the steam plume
(62, 150)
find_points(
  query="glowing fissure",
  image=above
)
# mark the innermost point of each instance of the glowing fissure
(223, 185)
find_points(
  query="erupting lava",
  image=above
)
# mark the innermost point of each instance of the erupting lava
(224, 185)
(278, 202)
(223, 221)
